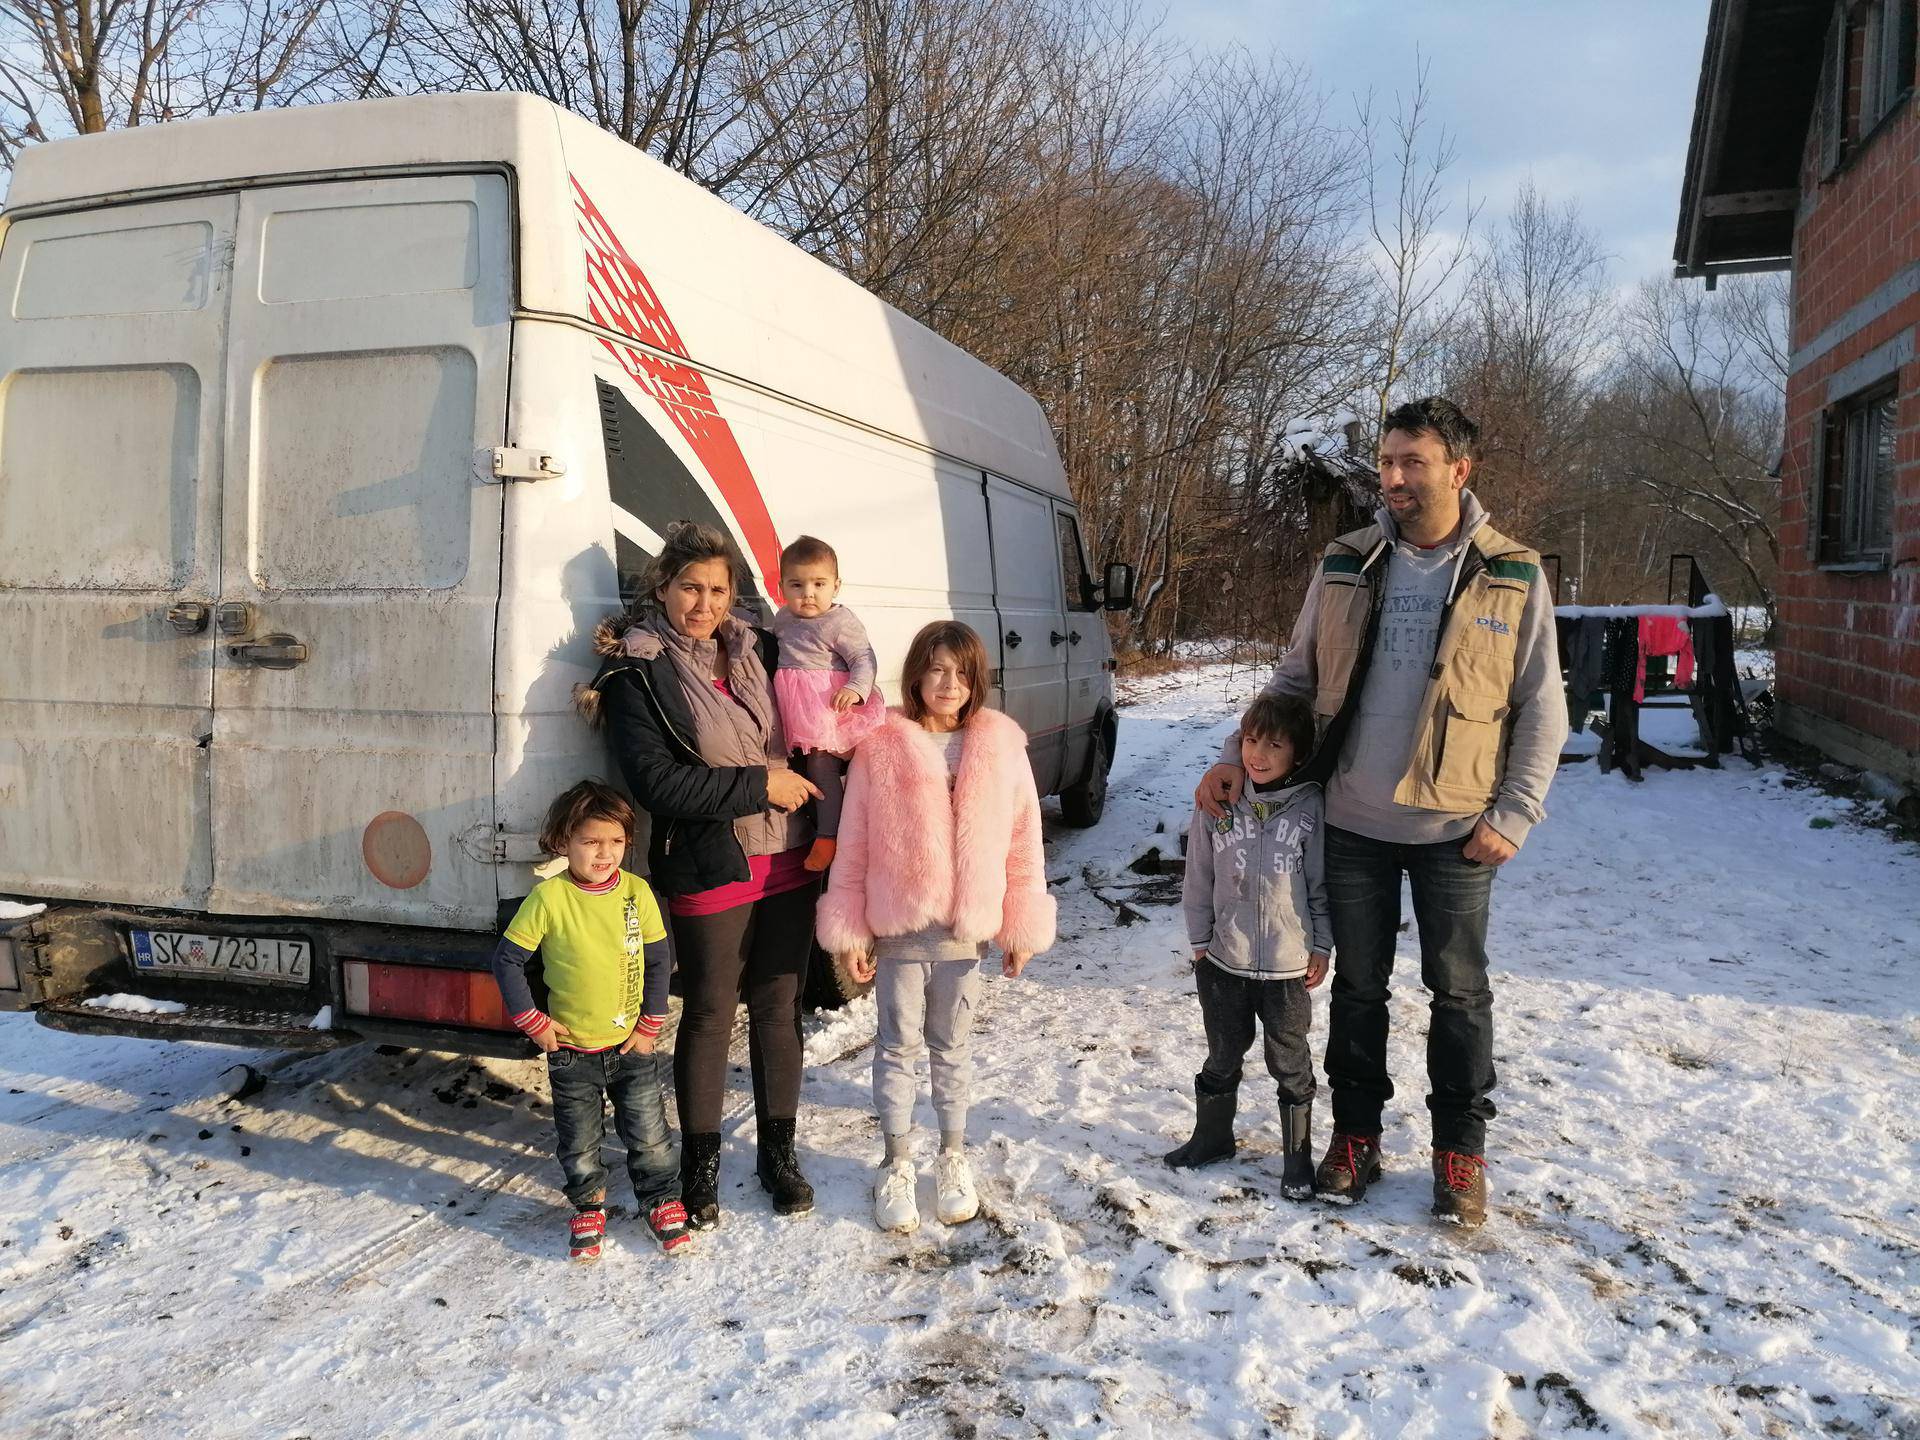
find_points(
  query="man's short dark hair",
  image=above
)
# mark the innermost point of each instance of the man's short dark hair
(1440, 417)
(1281, 717)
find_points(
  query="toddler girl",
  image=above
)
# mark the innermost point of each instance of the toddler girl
(603, 951)
(825, 680)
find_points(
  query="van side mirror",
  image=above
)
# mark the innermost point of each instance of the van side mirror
(1117, 593)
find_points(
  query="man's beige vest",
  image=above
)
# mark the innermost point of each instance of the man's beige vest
(1460, 748)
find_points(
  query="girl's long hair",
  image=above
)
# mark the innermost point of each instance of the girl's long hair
(960, 640)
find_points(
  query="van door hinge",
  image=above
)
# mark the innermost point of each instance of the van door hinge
(500, 847)
(519, 462)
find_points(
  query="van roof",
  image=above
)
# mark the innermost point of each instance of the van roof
(746, 303)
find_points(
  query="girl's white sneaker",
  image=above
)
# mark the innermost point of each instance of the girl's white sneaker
(953, 1181)
(895, 1205)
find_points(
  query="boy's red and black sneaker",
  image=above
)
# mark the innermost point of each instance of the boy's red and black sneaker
(1459, 1188)
(1352, 1163)
(585, 1232)
(668, 1221)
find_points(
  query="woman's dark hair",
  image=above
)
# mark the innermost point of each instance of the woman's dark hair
(809, 550)
(1437, 416)
(589, 800)
(690, 543)
(1281, 717)
(964, 644)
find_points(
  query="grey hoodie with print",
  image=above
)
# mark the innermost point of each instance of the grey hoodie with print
(1256, 892)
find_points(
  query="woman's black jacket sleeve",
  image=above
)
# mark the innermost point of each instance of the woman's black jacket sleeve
(664, 777)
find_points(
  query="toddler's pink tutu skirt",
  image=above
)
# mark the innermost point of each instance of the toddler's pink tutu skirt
(808, 716)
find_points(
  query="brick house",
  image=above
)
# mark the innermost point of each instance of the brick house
(1805, 154)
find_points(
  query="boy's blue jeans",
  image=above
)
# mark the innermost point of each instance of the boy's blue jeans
(633, 1082)
(1451, 895)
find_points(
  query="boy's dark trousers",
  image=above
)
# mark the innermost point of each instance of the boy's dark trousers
(633, 1082)
(1229, 1006)
(1450, 901)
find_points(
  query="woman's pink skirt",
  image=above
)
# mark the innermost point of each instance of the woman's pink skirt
(808, 716)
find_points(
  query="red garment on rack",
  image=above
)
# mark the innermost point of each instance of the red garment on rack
(1664, 635)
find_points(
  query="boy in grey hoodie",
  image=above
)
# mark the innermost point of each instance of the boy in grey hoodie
(1256, 907)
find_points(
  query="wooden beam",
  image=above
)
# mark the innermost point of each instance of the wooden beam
(1750, 202)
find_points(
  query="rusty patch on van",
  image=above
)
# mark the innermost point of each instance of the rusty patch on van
(396, 849)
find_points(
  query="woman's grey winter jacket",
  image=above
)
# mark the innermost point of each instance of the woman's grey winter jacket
(1256, 892)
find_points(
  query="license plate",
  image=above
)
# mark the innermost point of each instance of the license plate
(234, 957)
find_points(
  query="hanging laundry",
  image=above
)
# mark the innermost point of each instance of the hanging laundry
(1663, 635)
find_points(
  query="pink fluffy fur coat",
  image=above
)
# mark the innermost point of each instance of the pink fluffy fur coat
(911, 856)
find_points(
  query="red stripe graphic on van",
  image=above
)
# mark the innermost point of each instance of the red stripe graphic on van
(620, 298)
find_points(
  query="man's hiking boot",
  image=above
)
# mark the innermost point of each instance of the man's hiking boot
(779, 1169)
(668, 1222)
(700, 1180)
(585, 1231)
(1352, 1163)
(1212, 1129)
(1296, 1133)
(1459, 1188)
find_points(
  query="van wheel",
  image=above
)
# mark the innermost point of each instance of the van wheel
(829, 986)
(1085, 801)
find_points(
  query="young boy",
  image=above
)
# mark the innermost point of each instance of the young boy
(603, 950)
(1256, 904)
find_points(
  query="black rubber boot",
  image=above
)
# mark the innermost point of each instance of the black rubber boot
(1296, 1132)
(779, 1169)
(700, 1180)
(1212, 1129)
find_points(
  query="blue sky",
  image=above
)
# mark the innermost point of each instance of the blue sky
(1592, 98)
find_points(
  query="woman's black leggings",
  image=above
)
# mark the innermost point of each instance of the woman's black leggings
(757, 951)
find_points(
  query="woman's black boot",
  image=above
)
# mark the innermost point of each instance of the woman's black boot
(779, 1169)
(700, 1180)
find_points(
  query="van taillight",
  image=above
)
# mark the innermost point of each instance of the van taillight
(420, 992)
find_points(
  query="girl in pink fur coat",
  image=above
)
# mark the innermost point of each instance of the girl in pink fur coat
(939, 853)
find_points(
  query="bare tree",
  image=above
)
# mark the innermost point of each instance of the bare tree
(1526, 351)
(79, 67)
(1419, 262)
(1706, 373)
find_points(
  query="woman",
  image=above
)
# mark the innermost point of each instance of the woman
(686, 695)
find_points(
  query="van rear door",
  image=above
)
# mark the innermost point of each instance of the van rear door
(111, 417)
(352, 753)
(1033, 641)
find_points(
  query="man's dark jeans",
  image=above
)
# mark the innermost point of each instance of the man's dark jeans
(633, 1082)
(1229, 1006)
(1450, 898)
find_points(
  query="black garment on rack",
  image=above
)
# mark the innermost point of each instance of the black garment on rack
(1582, 648)
(1620, 662)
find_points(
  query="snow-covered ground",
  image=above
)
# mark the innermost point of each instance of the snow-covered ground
(1708, 1220)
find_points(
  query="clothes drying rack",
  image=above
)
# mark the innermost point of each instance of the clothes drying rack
(1713, 693)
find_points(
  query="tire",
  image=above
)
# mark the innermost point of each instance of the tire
(1085, 801)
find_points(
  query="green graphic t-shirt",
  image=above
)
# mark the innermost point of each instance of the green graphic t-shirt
(591, 947)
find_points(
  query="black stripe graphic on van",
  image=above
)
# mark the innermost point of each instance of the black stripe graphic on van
(647, 480)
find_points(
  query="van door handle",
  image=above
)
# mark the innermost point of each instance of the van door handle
(1074, 638)
(1059, 639)
(275, 652)
(1013, 639)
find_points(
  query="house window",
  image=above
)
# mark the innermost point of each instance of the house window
(1867, 75)
(1887, 69)
(1856, 482)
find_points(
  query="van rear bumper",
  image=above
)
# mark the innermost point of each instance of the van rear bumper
(218, 1024)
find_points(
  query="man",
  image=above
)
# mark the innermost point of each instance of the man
(1426, 645)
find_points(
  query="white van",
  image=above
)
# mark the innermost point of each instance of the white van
(326, 435)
